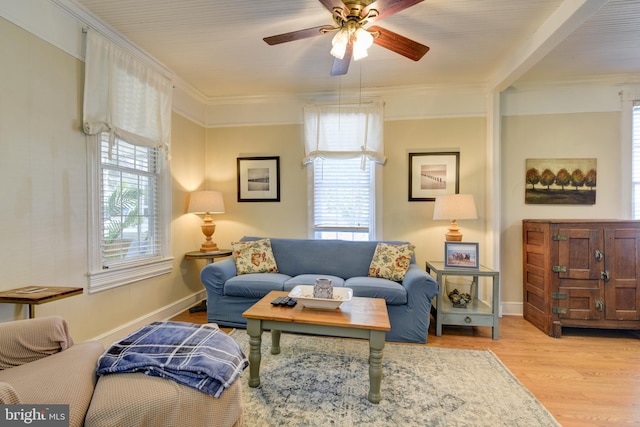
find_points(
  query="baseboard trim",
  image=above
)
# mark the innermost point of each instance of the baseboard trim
(511, 309)
(163, 313)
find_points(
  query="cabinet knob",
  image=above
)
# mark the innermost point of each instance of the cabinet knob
(604, 275)
(467, 319)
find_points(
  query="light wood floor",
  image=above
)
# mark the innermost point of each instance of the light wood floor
(586, 378)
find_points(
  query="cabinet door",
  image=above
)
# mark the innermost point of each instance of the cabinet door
(577, 256)
(622, 263)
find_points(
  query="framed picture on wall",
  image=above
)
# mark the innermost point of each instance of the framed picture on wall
(258, 179)
(433, 174)
(461, 254)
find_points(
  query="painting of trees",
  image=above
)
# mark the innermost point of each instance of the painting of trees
(533, 177)
(562, 181)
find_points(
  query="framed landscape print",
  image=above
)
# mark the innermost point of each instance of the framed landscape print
(433, 174)
(258, 179)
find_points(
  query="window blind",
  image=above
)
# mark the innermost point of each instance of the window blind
(343, 195)
(635, 159)
(129, 194)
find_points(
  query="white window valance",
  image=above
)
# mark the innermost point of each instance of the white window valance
(344, 131)
(125, 97)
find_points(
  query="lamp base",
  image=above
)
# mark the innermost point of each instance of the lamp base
(454, 234)
(208, 228)
(208, 247)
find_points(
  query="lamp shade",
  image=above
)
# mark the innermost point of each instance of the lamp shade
(206, 202)
(454, 207)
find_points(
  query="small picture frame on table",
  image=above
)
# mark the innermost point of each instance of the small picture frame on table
(258, 179)
(461, 255)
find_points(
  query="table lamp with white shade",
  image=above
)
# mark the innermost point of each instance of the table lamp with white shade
(207, 203)
(453, 207)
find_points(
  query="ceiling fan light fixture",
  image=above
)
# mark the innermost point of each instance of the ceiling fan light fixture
(362, 41)
(339, 42)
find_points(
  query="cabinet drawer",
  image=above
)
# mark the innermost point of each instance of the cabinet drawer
(470, 319)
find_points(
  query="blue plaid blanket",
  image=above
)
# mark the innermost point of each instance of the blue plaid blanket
(199, 356)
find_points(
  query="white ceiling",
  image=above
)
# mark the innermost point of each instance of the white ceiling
(216, 46)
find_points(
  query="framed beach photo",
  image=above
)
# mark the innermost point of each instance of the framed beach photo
(461, 255)
(433, 174)
(258, 179)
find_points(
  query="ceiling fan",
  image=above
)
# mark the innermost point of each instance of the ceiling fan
(352, 39)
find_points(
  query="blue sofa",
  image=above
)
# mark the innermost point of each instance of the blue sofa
(301, 261)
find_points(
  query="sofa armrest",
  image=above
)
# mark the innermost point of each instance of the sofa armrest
(418, 280)
(214, 275)
(23, 341)
(8, 395)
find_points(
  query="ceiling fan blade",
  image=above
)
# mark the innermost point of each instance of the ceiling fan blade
(330, 4)
(388, 7)
(399, 44)
(296, 35)
(341, 66)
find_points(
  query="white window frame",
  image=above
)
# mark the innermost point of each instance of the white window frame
(635, 160)
(101, 278)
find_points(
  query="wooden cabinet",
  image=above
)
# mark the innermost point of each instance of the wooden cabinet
(581, 273)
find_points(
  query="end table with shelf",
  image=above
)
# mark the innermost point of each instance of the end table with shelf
(477, 313)
(210, 257)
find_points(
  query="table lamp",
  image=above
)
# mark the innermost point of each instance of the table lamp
(453, 207)
(207, 203)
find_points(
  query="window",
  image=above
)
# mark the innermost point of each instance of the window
(635, 164)
(128, 194)
(343, 199)
(127, 115)
(130, 228)
(344, 146)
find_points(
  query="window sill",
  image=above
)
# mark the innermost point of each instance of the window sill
(114, 277)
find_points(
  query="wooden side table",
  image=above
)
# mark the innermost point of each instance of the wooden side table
(210, 257)
(476, 314)
(35, 295)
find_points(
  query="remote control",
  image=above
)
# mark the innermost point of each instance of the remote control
(291, 302)
(285, 301)
(277, 301)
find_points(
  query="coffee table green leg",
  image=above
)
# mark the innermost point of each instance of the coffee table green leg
(254, 329)
(275, 341)
(376, 345)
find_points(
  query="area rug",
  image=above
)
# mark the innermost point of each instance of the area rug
(321, 381)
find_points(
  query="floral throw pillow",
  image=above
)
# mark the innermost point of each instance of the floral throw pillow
(254, 257)
(391, 261)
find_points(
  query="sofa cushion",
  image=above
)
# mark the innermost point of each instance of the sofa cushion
(254, 257)
(255, 285)
(310, 279)
(391, 261)
(373, 287)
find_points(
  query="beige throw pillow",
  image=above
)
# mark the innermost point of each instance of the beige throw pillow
(391, 261)
(254, 257)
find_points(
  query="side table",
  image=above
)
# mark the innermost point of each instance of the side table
(210, 257)
(478, 313)
(35, 295)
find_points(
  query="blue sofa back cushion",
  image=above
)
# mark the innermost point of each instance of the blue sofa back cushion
(340, 258)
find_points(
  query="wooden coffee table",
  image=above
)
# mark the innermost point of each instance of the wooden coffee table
(359, 318)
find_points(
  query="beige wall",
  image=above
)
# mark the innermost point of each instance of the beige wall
(43, 187)
(402, 220)
(578, 135)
